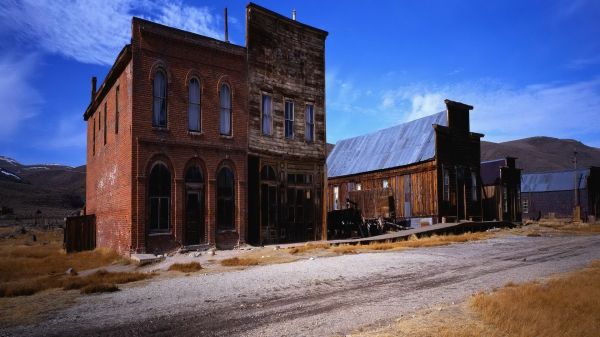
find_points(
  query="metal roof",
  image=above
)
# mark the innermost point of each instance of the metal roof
(400, 145)
(553, 181)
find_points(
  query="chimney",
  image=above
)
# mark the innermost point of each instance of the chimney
(93, 87)
(226, 27)
(294, 14)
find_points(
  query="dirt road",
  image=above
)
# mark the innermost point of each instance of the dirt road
(321, 297)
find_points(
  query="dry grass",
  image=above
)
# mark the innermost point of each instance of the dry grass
(28, 267)
(565, 306)
(240, 262)
(186, 267)
(99, 288)
(307, 248)
(412, 242)
(572, 227)
(100, 278)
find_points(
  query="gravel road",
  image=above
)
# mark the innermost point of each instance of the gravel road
(322, 297)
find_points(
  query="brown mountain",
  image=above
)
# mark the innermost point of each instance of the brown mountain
(54, 190)
(542, 153)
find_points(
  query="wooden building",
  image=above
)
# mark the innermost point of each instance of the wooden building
(501, 181)
(556, 193)
(424, 171)
(286, 107)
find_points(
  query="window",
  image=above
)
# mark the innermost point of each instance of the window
(289, 119)
(194, 117)
(358, 187)
(117, 110)
(159, 195)
(525, 206)
(268, 173)
(474, 186)
(309, 133)
(505, 198)
(104, 123)
(94, 138)
(446, 192)
(159, 91)
(336, 197)
(225, 199)
(225, 97)
(385, 183)
(267, 115)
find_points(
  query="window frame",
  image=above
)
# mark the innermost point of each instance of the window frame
(525, 205)
(195, 104)
(160, 199)
(228, 109)
(287, 120)
(474, 186)
(223, 199)
(262, 114)
(117, 90)
(164, 99)
(446, 184)
(336, 197)
(309, 126)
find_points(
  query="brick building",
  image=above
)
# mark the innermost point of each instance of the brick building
(421, 172)
(168, 132)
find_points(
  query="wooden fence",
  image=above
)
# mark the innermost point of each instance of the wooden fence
(80, 233)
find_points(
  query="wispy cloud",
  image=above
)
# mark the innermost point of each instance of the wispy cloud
(565, 110)
(94, 31)
(20, 101)
(581, 63)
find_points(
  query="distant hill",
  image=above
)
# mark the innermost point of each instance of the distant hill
(55, 190)
(542, 153)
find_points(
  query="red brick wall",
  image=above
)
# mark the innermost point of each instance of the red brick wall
(182, 55)
(108, 170)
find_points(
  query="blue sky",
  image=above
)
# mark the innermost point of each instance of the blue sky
(528, 67)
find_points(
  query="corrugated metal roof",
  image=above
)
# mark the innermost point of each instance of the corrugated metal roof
(399, 145)
(553, 181)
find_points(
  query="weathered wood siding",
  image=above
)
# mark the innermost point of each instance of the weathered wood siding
(286, 60)
(371, 198)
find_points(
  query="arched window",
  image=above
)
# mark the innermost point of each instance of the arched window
(194, 94)
(268, 173)
(159, 194)
(194, 206)
(194, 175)
(225, 199)
(225, 125)
(159, 92)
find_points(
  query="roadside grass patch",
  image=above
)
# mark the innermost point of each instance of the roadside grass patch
(99, 288)
(307, 248)
(345, 249)
(240, 262)
(186, 267)
(101, 279)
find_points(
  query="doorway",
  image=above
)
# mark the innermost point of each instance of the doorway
(194, 207)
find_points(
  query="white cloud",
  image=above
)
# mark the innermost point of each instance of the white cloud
(67, 132)
(20, 101)
(94, 31)
(503, 113)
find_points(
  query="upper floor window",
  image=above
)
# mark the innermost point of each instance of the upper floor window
(117, 110)
(267, 115)
(358, 186)
(309, 133)
(336, 197)
(194, 119)
(225, 98)
(289, 119)
(386, 183)
(104, 123)
(159, 92)
(94, 138)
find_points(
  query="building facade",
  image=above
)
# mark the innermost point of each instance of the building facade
(556, 193)
(424, 171)
(168, 155)
(501, 181)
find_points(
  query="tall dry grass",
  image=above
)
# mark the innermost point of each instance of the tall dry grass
(186, 267)
(240, 262)
(27, 266)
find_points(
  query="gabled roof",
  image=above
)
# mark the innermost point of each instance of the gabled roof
(553, 181)
(400, 145)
